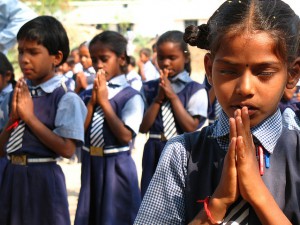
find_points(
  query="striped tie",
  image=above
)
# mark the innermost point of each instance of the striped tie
(97, 139)
(238, 213)
(168, 120)
(16, 137)
(217, 108)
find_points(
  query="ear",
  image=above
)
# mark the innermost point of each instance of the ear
(8, 76)
(122, 60)
(208, 63)
(58, 58)
(187, 56)
(293, 74)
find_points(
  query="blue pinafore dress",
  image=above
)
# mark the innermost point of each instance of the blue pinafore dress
(35, 193)
(154, 146)
(109, 191)
(205, 161)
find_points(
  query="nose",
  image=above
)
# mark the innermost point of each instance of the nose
(23, 58)
(166, 63)
(98, 65)
(245, 84)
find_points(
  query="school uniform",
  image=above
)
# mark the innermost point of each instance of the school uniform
(134, 80)
(109, 191)
(5, 97)
(291, 116)
(68, 78)
(191, 165)
(151, 73)
(33, 191)
(194, 98)
(90, 75)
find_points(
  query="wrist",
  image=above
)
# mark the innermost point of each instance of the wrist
(158, 100)
(214, 210)
(12, 124)
(218, 208)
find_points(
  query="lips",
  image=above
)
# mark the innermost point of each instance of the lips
(251, 109)
(26, 71)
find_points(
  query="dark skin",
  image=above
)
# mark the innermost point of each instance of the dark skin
(241, 76)
(32, 57)
(22, 108)
(165, 91)
(100, 97)
(240, 176)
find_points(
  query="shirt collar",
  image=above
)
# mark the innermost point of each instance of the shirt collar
(183, 77)
(267, 132)
(7, 89)
(119, 81)
(49, 86)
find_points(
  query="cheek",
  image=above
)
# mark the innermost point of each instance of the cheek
(223, 91)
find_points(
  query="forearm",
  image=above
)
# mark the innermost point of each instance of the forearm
(62, 146)
(89, 116)
(183, 118)
(270, 215)
(150, 116)
(116, 125)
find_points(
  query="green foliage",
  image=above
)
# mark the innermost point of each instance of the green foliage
(48, 7)
(142, 42)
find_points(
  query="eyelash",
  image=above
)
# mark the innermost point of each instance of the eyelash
(227, 72)
(262, 74)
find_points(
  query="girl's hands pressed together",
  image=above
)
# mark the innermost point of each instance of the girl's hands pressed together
(14, 112)
(101, 88)
(165, 84)
(249, 178)
(160, 97)
(24, 103)
(227, 189)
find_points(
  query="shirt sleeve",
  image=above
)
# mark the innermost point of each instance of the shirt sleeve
(290, 120)
(4, 110)
(198, 104)
(164, 201)
(70, 117)
(132, 113)
(13, 14)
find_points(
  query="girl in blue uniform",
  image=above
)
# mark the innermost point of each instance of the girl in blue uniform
(109, 191)
(188, 100)
(7, 83)
(247, 162)
(46, 121)
(85, 78)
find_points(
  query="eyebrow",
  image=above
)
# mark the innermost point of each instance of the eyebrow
(261, 64)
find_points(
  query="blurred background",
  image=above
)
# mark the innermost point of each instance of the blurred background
(140, 21)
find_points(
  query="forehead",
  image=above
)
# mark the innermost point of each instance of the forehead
(29, 43)
(248, 48)
(100, 49)
(168, 47)
(84, 50)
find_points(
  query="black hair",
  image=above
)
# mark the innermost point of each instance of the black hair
(115, 42)
(176, 36)
(49, 32)
(132, 61)
(6, 67)
(233, 17)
